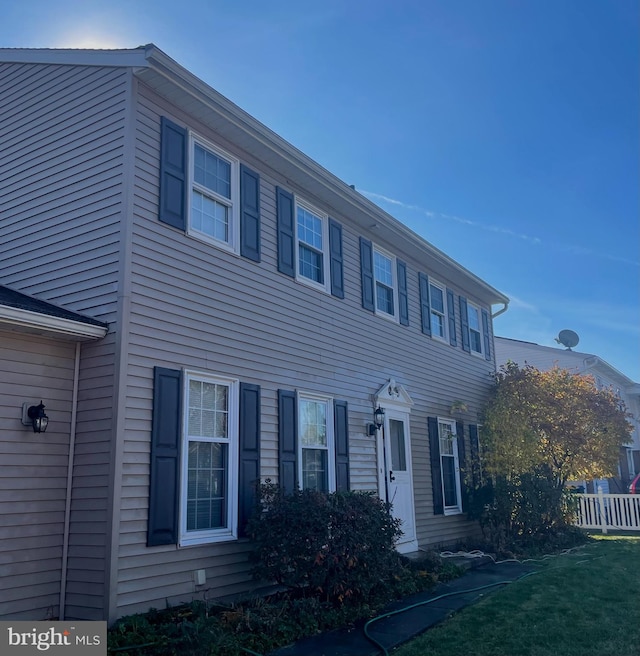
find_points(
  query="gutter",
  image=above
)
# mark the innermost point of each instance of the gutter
(49, 323)
(501, 311)
(67, 508)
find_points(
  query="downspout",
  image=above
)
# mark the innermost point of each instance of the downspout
(67, 509)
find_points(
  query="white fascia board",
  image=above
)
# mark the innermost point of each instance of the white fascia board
(75, 57)
(58, 325)
(176, 74)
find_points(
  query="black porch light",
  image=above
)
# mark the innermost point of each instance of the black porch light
(39, 420)
(378, 420)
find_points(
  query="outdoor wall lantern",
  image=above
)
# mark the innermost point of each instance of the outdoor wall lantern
(34, 416)
(378, 420)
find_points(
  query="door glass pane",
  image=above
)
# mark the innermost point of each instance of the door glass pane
(398, 453)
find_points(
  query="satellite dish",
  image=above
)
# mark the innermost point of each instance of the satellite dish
(567, 338)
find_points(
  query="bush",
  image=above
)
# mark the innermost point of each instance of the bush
(525, 513)
(338, 546)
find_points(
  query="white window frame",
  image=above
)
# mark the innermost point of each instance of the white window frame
(394, 285)
(475, 307)
(457, 509)
(324, 286)
(232, 244)
(445, 315)
(230, 532)
(331, 444)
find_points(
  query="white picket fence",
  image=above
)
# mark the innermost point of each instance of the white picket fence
(617, 512)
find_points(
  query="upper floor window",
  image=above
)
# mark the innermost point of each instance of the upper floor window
(316, 443)
(312, 237)
(475, 328)
(438, 310)
(385, 283)
(214, 204)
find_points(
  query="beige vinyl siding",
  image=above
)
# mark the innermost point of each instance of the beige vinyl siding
(196, 306)
(61, 178)
(60, 172)
(33, 474)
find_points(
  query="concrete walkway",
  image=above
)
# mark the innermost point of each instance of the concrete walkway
(396, 629)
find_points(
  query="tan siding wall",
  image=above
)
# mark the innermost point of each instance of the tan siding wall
(33, 474)
(61, 170)
(196, 306)
(60, 173)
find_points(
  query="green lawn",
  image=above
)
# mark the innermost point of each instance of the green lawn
(583, 604)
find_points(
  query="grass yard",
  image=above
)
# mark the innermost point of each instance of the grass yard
(583, 604)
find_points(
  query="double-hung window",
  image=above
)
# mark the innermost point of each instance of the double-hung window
(449, 466)
(214, 201)
(313, 239)
(316, 443)
(209, 459)
(438, 310)
(385, 283)
(475, 329)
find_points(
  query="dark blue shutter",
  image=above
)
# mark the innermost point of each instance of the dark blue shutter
(366, 274)
(249, 214)
(474, 448)
(173, 174)
(249, 441)
(288, 440)
(341, 426)
(485, 334)
(436, 472)
(451, 310)
(464, 323)
(425, 306)
(335, 258)
(462, 463)
(286, 233)
(403, 299)
(164, 474)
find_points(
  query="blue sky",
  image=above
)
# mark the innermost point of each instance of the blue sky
(505, 132)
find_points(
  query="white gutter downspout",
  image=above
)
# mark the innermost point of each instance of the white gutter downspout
(67, 509)
(502, 311)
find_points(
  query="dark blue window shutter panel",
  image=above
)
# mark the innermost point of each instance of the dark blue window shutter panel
(462, 462)
(436, 472)
(249, 475)
(165, 457)
(366, 274)
(249, 214)
(173, 174)
(286, 233)
(335, 258)
(341, 427)
(425, 306)
(451, 310)
(474, 448)
(403, 299)
(485, 334)
(464, 323)
(288, 440)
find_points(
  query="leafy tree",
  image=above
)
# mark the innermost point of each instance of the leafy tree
(553, 421)
(542, 429)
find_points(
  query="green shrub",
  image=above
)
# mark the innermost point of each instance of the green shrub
(338, 546)
(526, 513)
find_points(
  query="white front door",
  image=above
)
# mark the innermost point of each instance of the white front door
(396, 479)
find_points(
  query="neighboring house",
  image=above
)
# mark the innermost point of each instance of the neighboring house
(546, 357)
(259, 311)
